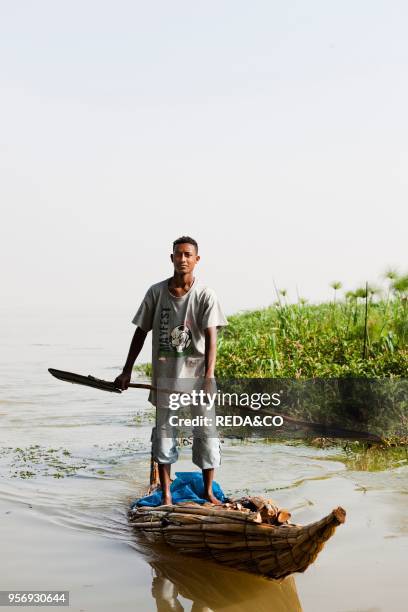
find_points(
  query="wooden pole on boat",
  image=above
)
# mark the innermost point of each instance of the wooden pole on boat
(154, 473)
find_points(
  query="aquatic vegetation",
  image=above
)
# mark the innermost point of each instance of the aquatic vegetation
(322, 340)
(143, 417)
(375, 459)
(144, 369)
(355, 455)
(36, 460)
(364, 457)
(362, 335)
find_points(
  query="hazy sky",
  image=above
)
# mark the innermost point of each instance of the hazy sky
(275, 133)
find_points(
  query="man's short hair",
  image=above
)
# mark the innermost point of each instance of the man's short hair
(184, 240)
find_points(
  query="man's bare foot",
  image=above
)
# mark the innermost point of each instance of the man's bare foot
(211, 498)
(166, 499)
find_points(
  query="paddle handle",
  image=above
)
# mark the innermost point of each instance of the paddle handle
(152, 388)
(142, 386)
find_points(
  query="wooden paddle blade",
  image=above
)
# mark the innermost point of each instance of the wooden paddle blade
(88, 381)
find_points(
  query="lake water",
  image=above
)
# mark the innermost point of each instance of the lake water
(72, 458)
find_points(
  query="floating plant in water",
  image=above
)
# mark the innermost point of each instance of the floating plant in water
(36, 460)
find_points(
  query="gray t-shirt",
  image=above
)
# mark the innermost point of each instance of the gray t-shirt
(178, 324)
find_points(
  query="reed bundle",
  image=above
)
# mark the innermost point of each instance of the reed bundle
(252, 534)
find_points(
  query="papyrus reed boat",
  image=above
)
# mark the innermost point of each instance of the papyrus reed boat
(262, 542)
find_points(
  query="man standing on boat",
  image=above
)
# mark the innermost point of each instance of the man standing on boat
(184, 317)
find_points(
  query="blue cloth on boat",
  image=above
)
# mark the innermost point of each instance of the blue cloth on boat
(188, 486)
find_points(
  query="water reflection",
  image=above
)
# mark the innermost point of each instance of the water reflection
(209, 587)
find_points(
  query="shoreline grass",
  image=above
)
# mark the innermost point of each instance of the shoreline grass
(333, 339)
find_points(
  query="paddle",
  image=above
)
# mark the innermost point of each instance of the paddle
(105, 385)
(91, 381)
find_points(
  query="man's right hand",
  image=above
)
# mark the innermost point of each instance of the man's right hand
(122, 381)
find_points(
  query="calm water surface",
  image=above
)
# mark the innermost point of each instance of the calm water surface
(72, 459)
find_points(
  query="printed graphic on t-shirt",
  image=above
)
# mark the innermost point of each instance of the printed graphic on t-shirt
(180, 338)
(175, 342)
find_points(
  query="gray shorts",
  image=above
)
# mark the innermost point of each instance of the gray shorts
(206, 450)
